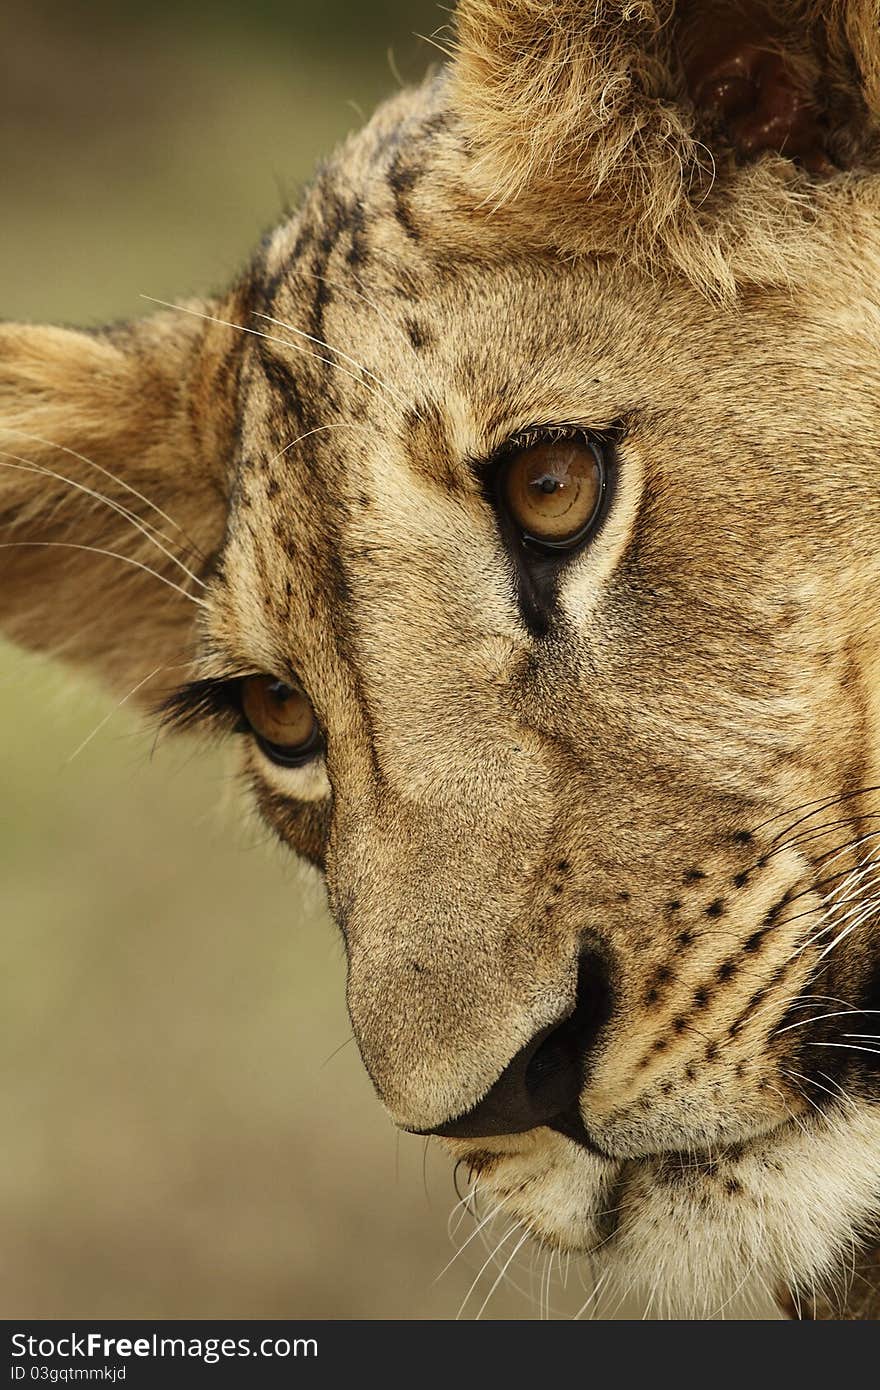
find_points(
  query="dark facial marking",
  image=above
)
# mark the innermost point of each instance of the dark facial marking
(402, 180)
(358, 252)
(284, 383)
(322, 297)
(304, 824)
(775, 910)
(418, 333)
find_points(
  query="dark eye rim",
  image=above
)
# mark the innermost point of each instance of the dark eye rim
(290, 757)
(600, 442)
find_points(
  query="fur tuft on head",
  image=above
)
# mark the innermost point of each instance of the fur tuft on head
(619, 125)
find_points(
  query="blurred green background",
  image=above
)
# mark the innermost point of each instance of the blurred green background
(187, 1128)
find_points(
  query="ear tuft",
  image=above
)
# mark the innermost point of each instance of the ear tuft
(113, 455)
(568, 95)
(645, 126)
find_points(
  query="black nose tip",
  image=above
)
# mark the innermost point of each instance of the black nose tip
(542, 1083)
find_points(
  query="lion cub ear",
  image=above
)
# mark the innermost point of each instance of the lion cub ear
(630, 124)
(114, 459)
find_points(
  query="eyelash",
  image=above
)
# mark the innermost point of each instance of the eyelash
(539, 434)
(213, 705)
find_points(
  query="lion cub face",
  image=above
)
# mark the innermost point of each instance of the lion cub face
(544, 598)
(575, 571)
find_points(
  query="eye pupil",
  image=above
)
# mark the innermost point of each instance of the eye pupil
(280, 692)
(549, 484)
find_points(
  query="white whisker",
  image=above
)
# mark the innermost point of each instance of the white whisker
(597, 1289)
(23, 465)
(108, 473)
(267, 337)
(475, 1232)
(852, 1047)
(110, 554)
(320, 342)
(485, 1265)
(840, 1013)
(107, 717)
(501, 1273)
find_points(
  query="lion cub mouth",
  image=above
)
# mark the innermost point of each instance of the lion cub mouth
(698, 1155)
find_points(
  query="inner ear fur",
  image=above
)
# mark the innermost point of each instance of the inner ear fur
(114, 455)
(702, 133)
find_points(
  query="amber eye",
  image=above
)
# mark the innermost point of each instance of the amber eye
(554, 490)
(282, 720)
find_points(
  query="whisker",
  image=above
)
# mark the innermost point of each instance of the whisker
(501, 1273)
(267, 337)
(597, 1289)
(110, 554)
(795, 1119)
(319, 429)
(834, 918)
(107, 717)
(503, 1241)
(108, 473)
(336, 1051)
(474, 1233)
(380, 314)
(23, 465)
(320, 342)
(804, 1001)
(817, 1018)
(838, 1098)
(821, 804)
(852, 1047)
(816, 833)
(464, 1207)
(858, 920)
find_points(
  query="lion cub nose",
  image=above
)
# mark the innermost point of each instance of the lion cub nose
(543, 1081)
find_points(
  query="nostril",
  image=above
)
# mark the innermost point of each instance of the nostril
(543, 1082)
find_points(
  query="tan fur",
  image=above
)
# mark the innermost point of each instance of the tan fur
(681, 767)
(581, 124)
(108, 416)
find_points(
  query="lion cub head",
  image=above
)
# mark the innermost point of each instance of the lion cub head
(519, 511)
